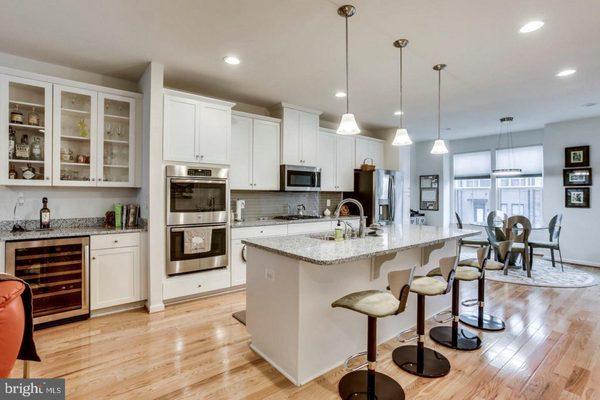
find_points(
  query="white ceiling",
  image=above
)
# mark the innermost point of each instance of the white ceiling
(293, 51)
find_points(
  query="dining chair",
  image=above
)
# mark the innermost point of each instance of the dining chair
(553, 243)
(479, 242)
(518, 229)
(496, 216)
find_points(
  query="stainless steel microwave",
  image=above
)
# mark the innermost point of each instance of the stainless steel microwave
(298, 178)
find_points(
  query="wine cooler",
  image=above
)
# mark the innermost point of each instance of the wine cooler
(57, 271)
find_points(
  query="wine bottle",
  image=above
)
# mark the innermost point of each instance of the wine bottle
(45, 215)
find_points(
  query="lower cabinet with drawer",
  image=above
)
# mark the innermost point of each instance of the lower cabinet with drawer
(115, 270)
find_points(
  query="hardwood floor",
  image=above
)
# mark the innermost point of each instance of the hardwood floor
(550, 350)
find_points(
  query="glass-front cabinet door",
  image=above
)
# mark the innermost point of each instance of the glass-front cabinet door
(26, 145)
(75, 123)
(116, 154)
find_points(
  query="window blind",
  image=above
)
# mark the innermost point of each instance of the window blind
(529, 159)
(475, 165)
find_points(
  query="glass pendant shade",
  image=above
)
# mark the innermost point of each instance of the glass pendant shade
(401, 138)
(439, 147)
(348, 125)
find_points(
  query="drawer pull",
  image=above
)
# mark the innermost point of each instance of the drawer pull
(199, 285)
(116, 241)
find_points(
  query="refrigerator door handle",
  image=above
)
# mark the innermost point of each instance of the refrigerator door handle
(392, 196)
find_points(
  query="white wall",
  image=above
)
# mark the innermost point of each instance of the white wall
(581, 227)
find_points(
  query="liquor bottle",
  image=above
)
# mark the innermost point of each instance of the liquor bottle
(45, 215)
(12, 172)
(36, 149)
(12, 140)
(22, 149)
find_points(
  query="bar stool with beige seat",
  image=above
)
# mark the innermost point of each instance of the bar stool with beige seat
(481, 320)
(420, 360)
(374, 304)
(453, 336)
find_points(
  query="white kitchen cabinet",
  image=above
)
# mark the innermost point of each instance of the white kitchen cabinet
(255, 153)
(115, 273)
(75, 137)
(116, 141)
(336, 160)
(28, 98)
(196, 128)
(367, 147)
(299, 135)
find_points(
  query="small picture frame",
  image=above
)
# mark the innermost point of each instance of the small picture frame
(429, 192)
(577, 197)
(577, 177)
(577, 156)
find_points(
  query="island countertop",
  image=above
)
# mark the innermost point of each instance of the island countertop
(310, 248)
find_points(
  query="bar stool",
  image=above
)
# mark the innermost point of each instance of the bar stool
(374, 304)
(453, 336)
(420, 360)
(482, 320)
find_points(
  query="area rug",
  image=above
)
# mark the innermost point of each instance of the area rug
(544, 274)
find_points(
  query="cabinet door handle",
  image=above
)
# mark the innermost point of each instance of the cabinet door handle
(99, 179)
(244, 253)
(93, 179)
(116, 241)
(93, 258)
(201, 157)
(47, 178)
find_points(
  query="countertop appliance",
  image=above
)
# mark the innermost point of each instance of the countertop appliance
(380, 193)
(298, 178)
(197, 219)
(57, 271)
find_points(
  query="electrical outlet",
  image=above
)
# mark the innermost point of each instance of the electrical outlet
(20, 198)
(269, 274)
(328, 203)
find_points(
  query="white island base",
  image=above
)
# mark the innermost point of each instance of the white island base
(289, 315)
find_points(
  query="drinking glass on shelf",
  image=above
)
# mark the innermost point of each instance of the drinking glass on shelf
(119, 132)
(108, 130)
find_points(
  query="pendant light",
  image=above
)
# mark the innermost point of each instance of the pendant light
(511, 170)
(348, 124)
(401, 138)
(439, 146)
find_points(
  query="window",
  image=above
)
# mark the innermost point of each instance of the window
(472, 186)
(522, 195)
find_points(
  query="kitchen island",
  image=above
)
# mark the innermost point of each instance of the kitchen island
(292, 281)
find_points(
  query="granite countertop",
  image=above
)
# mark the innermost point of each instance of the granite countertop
(271, 221)
(6, 236)
(395, 238)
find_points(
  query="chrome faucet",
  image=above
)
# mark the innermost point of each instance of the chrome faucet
(363, 221)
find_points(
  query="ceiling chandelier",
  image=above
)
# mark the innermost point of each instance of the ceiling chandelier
(348, 124)
(401, 138)
(511, 170)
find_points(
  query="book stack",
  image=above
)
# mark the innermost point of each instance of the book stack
(127, 216)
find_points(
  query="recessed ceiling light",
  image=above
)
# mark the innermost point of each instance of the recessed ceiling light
(232, 60)
(531, 26)
(398, 112)
(340, 94)
(566, 72)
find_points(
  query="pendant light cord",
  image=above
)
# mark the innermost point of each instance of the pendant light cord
(439, 103)
(401, 93)
(347, 91)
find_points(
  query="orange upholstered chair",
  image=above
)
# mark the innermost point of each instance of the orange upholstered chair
(12, 324)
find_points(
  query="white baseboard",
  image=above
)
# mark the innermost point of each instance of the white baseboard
(117, 309)
(155, 307)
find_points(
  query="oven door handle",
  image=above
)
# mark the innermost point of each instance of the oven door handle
(219, 182)
(211, 227)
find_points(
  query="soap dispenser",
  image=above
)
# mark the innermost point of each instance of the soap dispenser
(339, 231)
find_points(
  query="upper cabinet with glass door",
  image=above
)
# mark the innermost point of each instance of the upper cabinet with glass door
(116, 140)
(26, 144)
(75, 122)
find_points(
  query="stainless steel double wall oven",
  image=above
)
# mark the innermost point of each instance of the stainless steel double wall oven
(197, 218)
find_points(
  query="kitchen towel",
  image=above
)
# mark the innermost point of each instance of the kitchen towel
(196, 240)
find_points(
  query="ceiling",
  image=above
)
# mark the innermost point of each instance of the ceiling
(293, 51)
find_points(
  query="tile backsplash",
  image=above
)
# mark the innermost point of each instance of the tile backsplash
(269, 204)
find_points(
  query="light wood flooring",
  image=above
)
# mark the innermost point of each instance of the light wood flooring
(196, 350)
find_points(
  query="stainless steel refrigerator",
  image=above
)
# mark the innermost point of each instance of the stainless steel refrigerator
(380, 193)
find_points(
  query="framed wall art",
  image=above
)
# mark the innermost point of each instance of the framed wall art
(429, 192)
(577, 197)
(577, 177)
(577, 156)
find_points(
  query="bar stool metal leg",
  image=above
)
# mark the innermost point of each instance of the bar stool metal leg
(369, 384)
(420, 360)
(482, 320)
(454, 336)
